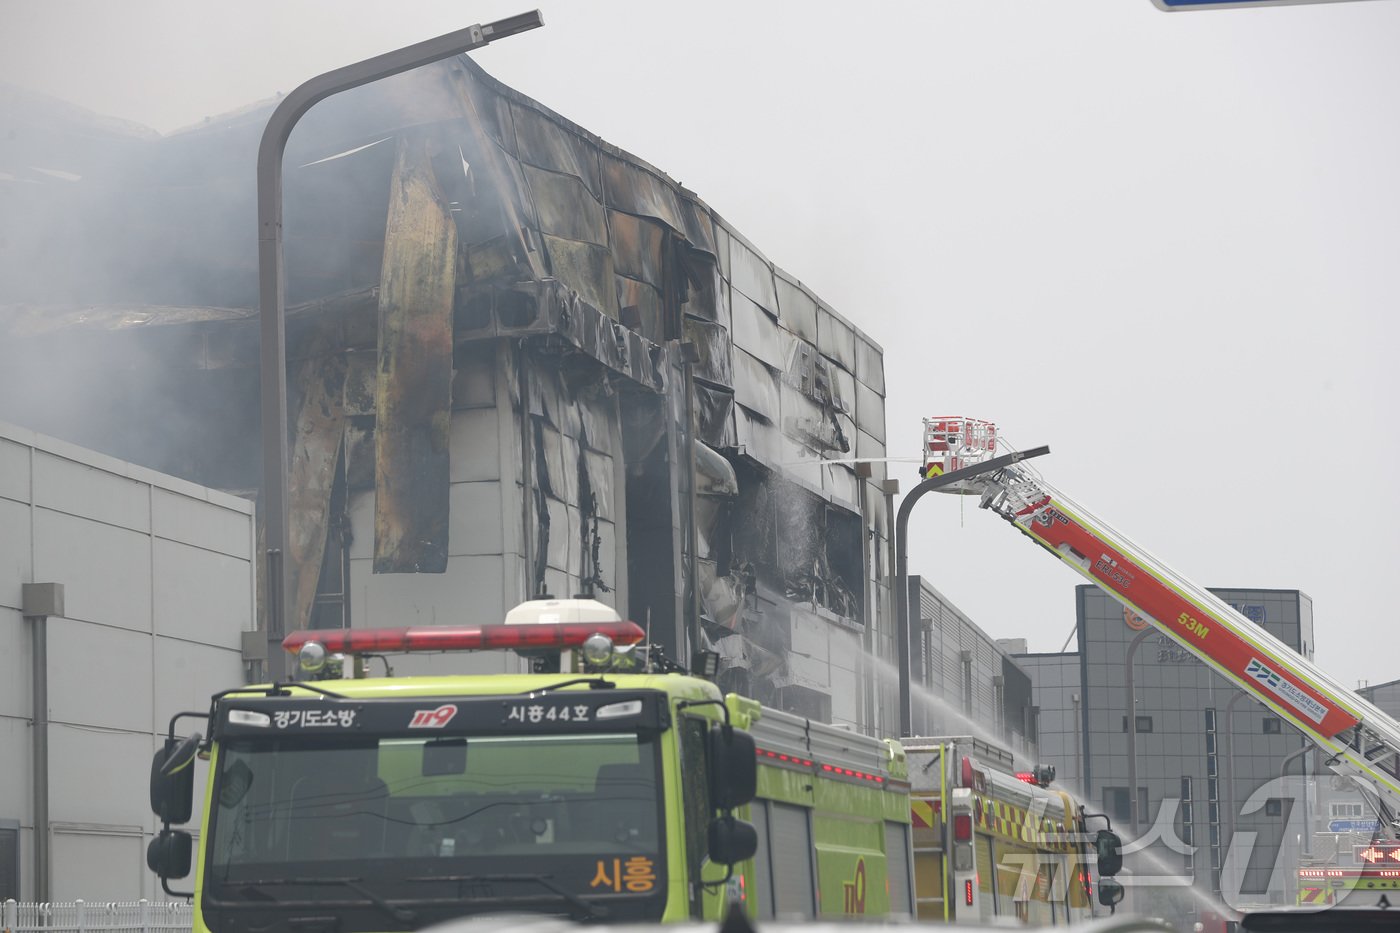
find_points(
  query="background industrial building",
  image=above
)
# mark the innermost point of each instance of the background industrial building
(1210, 763)
(157, 583)
(963, 681)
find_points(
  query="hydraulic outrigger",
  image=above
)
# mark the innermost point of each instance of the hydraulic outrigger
(1362, 741)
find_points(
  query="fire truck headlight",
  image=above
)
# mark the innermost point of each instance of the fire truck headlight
(312, 657)
(597, 648)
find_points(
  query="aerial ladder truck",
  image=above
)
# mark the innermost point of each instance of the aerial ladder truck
(1362, 742)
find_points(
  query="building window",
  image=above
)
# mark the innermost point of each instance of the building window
(9, 860)
(966, 658)
(1142, 723)
(1272, 725)
(1273, 807)
(1345, 811)
(1115, 803)
(1118, 807)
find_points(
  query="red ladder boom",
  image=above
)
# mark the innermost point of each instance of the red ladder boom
(1363, 741)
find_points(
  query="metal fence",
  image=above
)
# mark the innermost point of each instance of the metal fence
(141, 916)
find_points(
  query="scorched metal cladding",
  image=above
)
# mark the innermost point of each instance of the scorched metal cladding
(522, 361)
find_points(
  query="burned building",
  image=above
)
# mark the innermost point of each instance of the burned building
(521, 362)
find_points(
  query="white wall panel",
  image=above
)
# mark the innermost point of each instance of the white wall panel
(360, 511)
(105, 570)
(870, 363)
(475, 519)
(110, 865)
(810, 636)
(212, 604)
(99, 777)
(808, 672)
(15, 773)
(836, 339)
(15, 641)
(474, 446)
(14, 471)
(870, 416)
(215, 527)
(868, 448)
(846, 651)
(82, 489)
(14, 552)
(186, 675)
(845, 695)
(469, 592)
(99, 676)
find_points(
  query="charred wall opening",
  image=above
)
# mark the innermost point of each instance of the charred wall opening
(652, 560)
(800, 544)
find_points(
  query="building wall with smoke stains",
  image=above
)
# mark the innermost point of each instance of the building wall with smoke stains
(158, 589)
(521, 361)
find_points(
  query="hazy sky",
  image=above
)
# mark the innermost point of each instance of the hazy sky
(1167, 245)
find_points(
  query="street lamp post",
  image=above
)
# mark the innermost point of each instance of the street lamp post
(1229, 802)
(1128, 681)
(273, 352)
(901, 537)
(1304, 841)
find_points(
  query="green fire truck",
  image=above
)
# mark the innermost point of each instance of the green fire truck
(604, 785)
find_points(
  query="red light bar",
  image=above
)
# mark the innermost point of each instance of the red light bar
(848, 772)
(463, 637)
(967, 891)
(795, 760)
(1028, 777)
(962, 826)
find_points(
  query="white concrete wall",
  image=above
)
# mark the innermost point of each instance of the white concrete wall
(158, 586)
(487, 572)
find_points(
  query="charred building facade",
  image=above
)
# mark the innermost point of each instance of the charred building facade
(521, 362)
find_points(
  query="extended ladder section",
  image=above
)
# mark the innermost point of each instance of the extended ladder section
(1364, 742)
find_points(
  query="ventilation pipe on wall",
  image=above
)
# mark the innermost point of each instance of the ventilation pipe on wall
(41, 600)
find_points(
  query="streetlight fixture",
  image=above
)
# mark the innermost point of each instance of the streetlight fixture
(273, 353)
(901, 537)
(1128, 682)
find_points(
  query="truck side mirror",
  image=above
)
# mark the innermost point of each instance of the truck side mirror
(170, 853)
(1109, 849)
(172, 780)
(1110, 892)
(732, 840)
(733, 767)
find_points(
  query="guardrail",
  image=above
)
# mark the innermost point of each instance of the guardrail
(141, 916)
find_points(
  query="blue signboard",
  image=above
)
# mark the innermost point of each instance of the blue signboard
(1228, 4)
(1353, 826)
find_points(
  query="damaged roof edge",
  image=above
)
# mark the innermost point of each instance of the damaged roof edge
(23, 319)
(783, 273)
(565, 123)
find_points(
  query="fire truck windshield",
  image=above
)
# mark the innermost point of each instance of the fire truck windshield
(485, 821)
